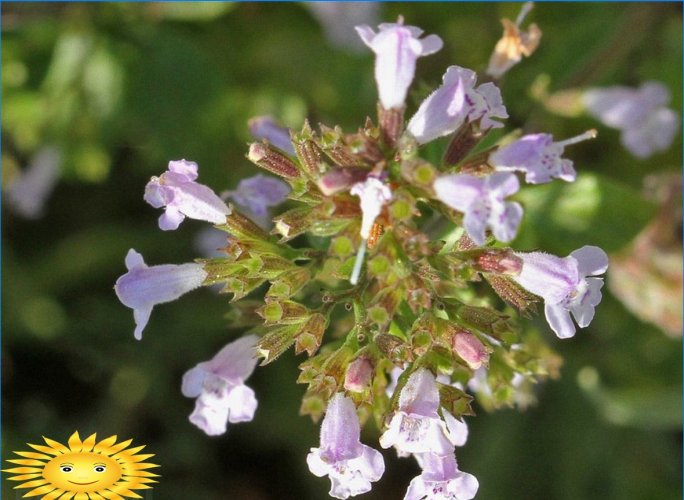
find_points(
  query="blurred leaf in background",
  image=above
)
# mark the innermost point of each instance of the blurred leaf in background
(119, 89)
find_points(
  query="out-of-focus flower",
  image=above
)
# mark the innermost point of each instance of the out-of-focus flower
(538, 157)
(565, 285)
(441, 480)
(27, 193)
(396, 47)
(647, 125)
(209, 241)
(416, 426)
(258, 193)
(350, 465)
(182, 197)
(219, 386)
(514, 44)
(339, 18)
(143, 287)
(482, 200)
(454, 102)
(646, 276)
(265, 127)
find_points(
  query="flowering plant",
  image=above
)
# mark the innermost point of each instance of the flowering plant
(391, 272)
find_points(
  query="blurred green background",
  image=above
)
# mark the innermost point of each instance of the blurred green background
(120, 89)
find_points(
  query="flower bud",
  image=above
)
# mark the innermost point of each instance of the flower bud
(276, 342)
(283, 312)
(499, 262)
(243, 227)
(332, 142)
(359, 374)
(272, 160)
(309, 154)
(470, 349)
(289, 283)
(341, 179)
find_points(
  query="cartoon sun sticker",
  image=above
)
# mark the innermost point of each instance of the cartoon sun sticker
(85, 470)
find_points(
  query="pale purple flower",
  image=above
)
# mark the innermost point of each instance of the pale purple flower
(416, 426)
(538, 157)
(647, 125)
(482, 200)
(265, 127)
(566, 285)
(455, 102)
(143, 287)
(219, 386)
(338, 19)
(485, 103)
(177, 191)
(441, 480)
(28, 192)
(350, 465)
(396, 47)
(258, 193)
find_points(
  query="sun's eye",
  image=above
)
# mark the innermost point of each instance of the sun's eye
(66, 468)
(100, 468)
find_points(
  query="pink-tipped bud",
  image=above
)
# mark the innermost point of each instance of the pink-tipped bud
(470, 349)
(359, 375)
(272, 160)
(499, 262)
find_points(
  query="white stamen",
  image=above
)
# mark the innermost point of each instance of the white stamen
(526, 8)
(356, 272)
(589, 134)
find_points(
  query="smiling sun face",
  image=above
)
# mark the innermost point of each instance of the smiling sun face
(85, 469)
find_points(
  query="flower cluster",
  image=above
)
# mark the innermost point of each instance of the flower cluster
(414, 337)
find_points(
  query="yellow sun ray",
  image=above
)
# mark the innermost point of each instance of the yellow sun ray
(53, 494)
(23, 470)
(24, 477)
(83, 470)
(57, 446)
(32, 454)
(45, 449)
(104, 445)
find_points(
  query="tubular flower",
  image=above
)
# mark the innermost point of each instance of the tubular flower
(416, 426)
(455, 102)
(441, 480)
(538, 157)
(350, 465)
(218, 385)
(566, 284)
(177, 191)
(482, 200)
(396, 48)
(143, 287)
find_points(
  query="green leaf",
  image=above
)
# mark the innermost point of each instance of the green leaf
(593, 210)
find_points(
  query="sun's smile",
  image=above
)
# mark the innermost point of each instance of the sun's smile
(86, 468)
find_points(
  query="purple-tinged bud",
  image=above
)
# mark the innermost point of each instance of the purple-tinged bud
(359, 375)
(470, 349)
(499, 262)
(272, 160)
(341, 179)
(462, 143)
